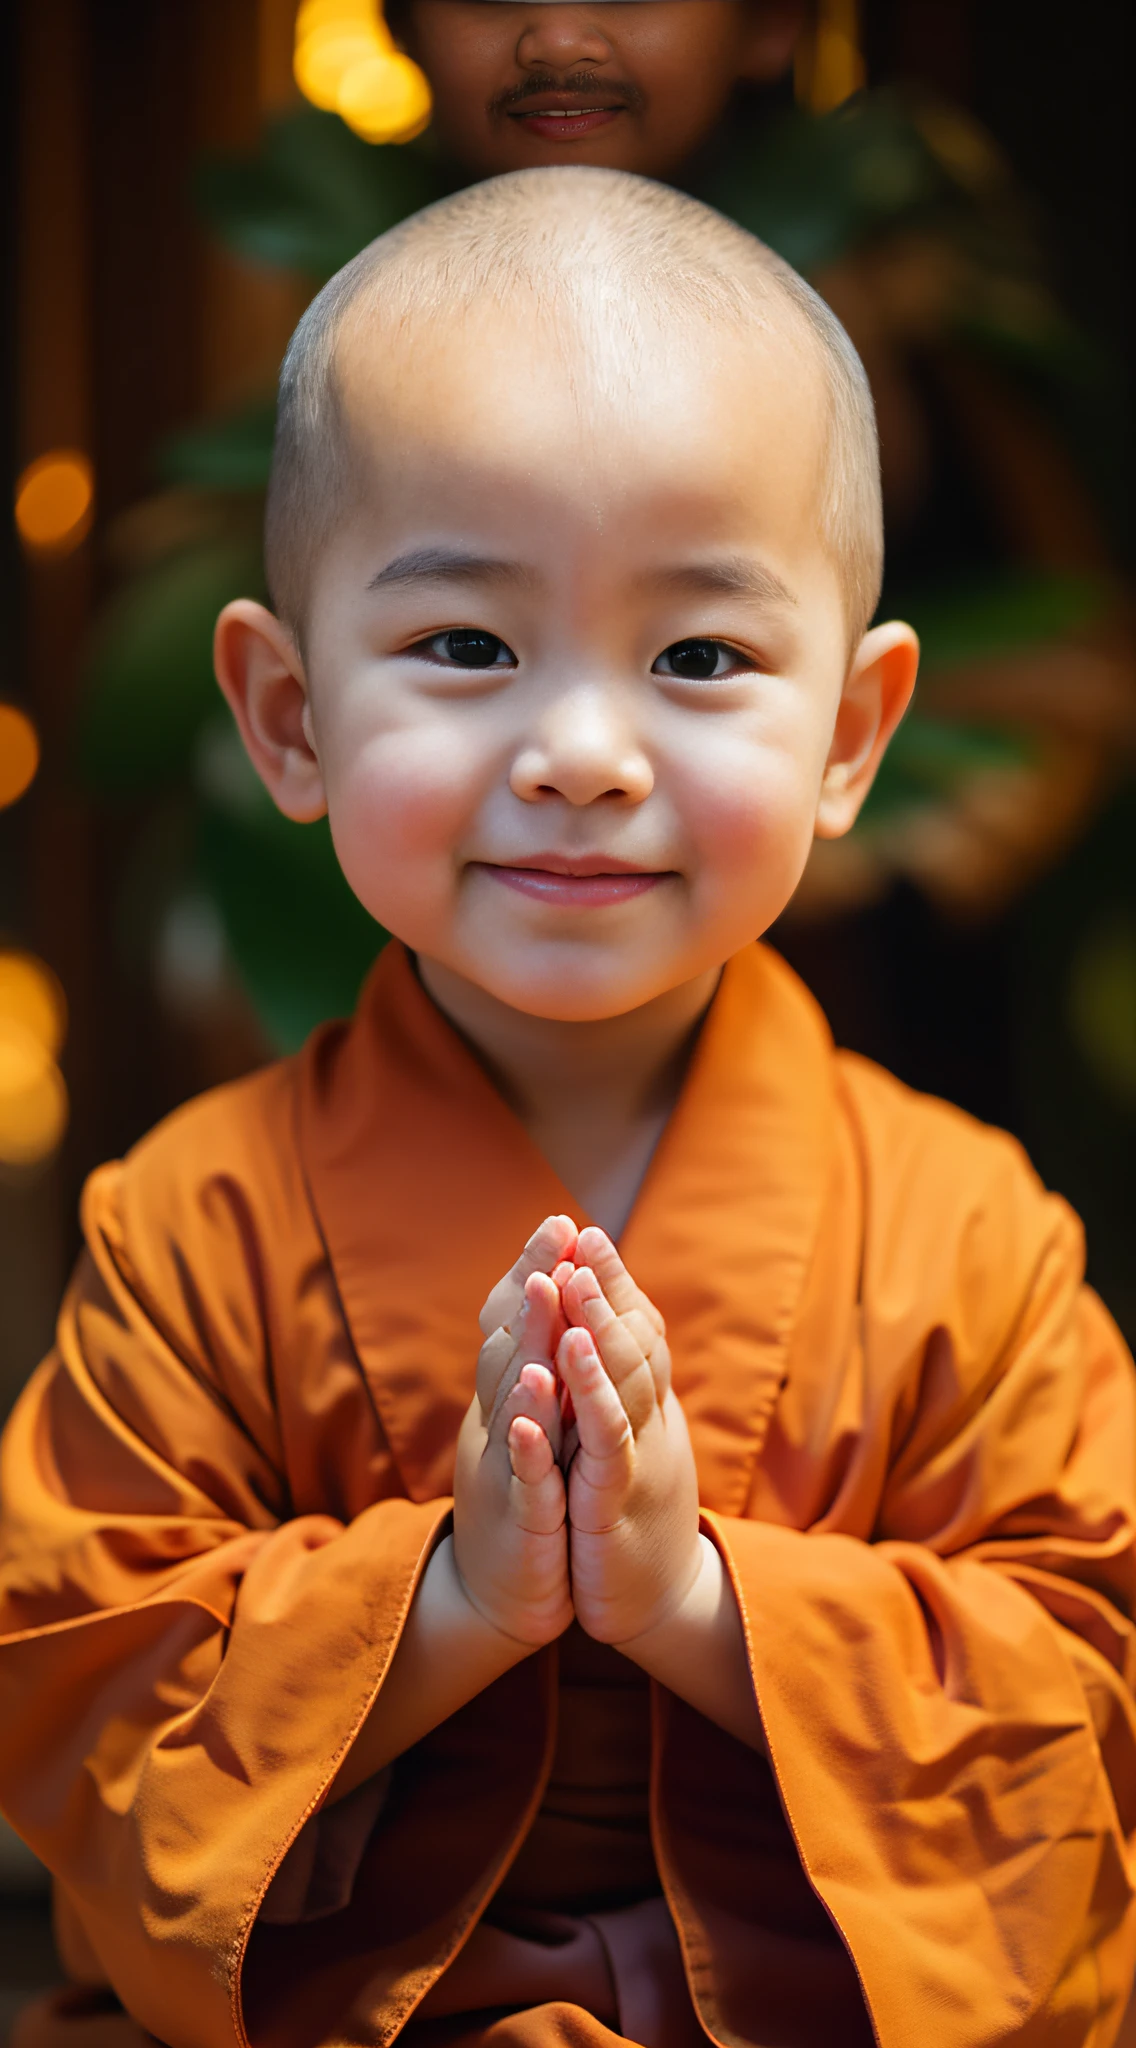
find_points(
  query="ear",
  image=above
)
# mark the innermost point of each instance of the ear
(259, 669)
(877, 691)
(771, 37)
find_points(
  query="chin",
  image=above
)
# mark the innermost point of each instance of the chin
(566, 997)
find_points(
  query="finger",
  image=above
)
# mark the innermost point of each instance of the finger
(530, 1453)
(642, 1318)
(536, 1332)
(554, 1241)
(496, 1357)
(595, 1249)
(619, 1341)
(536, 1490)
(537, 1396)
(601, 1419)
(540, 1324)
(583, 1288)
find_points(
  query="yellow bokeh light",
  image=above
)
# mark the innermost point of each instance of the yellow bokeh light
(19, 753)
(31, 997)
(319, 14)
(331, 37)
(385, 99)
(33, 1098)
(345, 61)
(55, 501)
(324, 58)
(829, 63)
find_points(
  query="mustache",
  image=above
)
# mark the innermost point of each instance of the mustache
(615, 91)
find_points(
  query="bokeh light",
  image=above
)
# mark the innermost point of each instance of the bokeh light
(385, 99)
(33, 1098)
(55, 502)
(346, 62)
(30, 996)
(19, 753)
(829, 63)
(33, 1093)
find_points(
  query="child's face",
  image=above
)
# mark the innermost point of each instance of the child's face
(636, 85)
(575, 656)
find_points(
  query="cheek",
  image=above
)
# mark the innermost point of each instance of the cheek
(688, 76)
(398, 807)
(463, 69)
(748, 805)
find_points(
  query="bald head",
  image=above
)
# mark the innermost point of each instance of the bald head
(601, 257)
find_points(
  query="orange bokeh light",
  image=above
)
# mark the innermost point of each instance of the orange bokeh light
(33, 1098)
(55, 502)
(33, 1093)
(19, 753)
(30, 996)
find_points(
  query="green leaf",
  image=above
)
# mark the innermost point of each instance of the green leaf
(301, 942)
(1102, 1003)
(314, 195)
(974, 621)
(930, 756)
(231, 454)
(815, 186)
(149, 684)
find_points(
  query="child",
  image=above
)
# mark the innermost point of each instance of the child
(760, 1673)
(638, 87)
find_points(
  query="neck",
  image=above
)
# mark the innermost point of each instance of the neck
(594, 1096)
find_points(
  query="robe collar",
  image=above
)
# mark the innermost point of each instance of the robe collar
(425, 1186)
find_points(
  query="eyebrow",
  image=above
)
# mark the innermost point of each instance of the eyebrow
(725, 576)
(447, 565)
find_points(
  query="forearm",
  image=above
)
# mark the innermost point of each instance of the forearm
(699, 1652)
(447, 1654)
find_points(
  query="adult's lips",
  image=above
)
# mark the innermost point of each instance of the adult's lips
(564, 117)
(561, 110)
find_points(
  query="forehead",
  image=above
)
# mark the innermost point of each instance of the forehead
(520, 401)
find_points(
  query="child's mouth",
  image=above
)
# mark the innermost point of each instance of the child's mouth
(568, 886)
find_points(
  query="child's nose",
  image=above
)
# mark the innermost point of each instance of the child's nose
(583, 749)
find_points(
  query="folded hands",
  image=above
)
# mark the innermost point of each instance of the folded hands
(575, 1490)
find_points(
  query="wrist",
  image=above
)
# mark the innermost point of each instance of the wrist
(685, 1615)
(700, 1652)
(519, 1632)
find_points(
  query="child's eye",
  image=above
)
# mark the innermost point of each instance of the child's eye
(699, 661)
(468, 647)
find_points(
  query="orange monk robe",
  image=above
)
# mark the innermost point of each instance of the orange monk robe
(914, 1436)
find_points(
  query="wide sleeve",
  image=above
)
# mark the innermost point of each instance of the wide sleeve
(185, 1660)
(947, 1694)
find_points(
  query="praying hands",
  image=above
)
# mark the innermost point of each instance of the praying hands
(576, 1489)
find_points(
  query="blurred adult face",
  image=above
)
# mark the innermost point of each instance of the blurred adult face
(636, 85)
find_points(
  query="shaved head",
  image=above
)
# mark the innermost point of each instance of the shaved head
(605, 265)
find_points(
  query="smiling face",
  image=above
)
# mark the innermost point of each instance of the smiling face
(575, 654)
(633, 84)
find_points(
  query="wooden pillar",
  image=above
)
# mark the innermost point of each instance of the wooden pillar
(53, 410)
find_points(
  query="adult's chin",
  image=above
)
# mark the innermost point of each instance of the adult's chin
(491, 153)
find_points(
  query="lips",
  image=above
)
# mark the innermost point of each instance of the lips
(563, 116)
(565, 124)
(589, 882)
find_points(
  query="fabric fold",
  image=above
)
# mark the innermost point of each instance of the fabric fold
(915, 1433)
